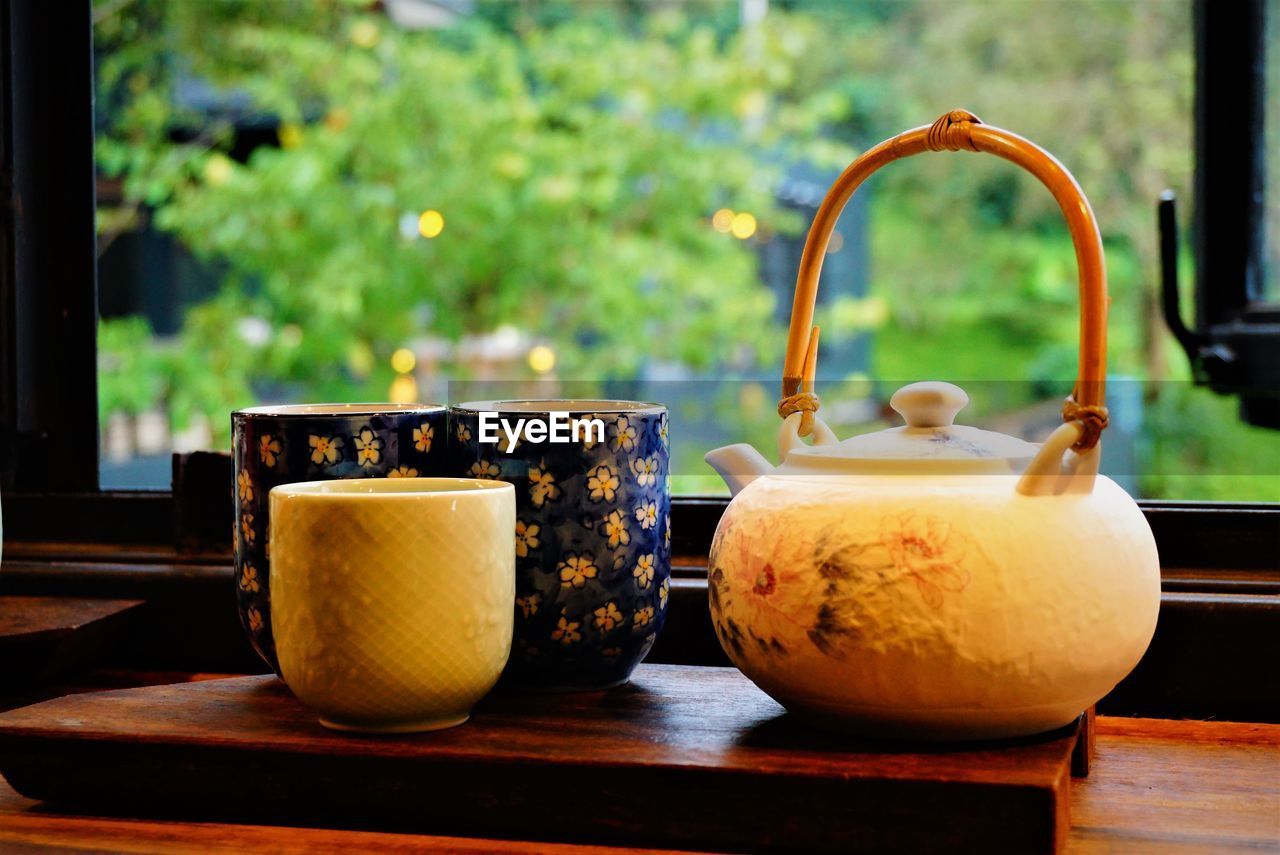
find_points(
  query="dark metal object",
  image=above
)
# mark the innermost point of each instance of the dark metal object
(1170, 296)
(1237, 357)
(48, 271)
(1229, 41)
(1234, 347)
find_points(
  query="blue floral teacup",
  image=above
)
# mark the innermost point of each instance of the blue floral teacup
(593, 531)
(316, 442)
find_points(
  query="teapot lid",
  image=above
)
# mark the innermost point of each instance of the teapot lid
(929, 441)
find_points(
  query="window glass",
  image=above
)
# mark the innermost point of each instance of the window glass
(430, 200)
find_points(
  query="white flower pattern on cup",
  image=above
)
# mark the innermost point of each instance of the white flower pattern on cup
(647, 514)
(249, 579)
(268, 449)
(576, 570)
(602, 483)
(542, 485)
(486, 469)
(615, 527)
(642, 617)
(244, 485)
(644, 570)
(607, 616)
(463, 432)
(622, 435)
(526, 537)
(566, 631)
(664, 591)
(368, 447)
(528, 605)
(645, 470)
(403, 472)
(324, 449)
(422, 436)
(247, 530)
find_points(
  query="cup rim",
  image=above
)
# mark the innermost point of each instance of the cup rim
(561, 405)
(300, 411)
(363, 489)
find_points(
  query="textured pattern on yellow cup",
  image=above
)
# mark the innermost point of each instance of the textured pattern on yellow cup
(392, 599)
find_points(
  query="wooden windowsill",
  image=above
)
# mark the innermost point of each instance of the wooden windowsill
(1156, 785)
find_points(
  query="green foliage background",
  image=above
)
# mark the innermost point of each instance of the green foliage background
(577, 151)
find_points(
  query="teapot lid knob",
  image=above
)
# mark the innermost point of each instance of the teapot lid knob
(929, 404)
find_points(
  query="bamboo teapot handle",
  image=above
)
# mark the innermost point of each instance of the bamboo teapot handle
(954, 131)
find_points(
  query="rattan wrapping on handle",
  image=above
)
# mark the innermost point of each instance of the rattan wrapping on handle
(955, 131)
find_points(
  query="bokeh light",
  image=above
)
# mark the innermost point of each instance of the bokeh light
(542, 359)
(365, 34)
(404, 390)
(722, 220)
(403, 361)
(430, 223)
(217, 170)
(743, 225)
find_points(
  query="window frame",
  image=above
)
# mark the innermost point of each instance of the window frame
(48, 315)
(48, 249)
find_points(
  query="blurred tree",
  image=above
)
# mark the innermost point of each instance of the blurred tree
(1107, 88)
(574, 153)
(571, 171)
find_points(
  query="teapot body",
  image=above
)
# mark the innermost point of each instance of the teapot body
(932, 607)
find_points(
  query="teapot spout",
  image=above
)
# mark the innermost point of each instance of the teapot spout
(738, 465)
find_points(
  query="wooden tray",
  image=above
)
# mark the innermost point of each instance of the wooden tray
(684, 756)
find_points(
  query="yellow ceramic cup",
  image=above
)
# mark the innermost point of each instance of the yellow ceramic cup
(392, 599)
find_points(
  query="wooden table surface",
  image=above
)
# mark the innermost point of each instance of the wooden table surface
(1156, 786)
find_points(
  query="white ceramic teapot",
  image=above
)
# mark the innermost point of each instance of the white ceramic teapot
(935, 581)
